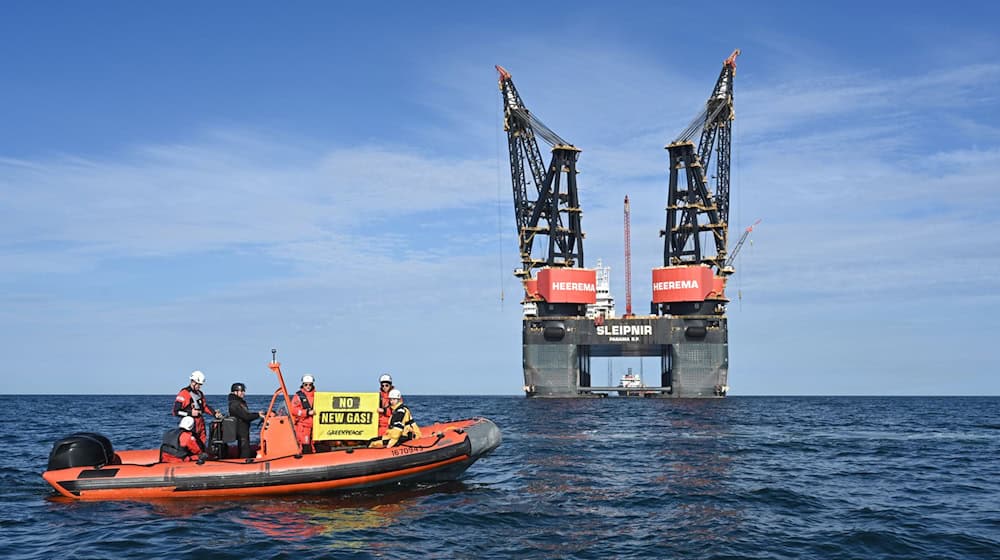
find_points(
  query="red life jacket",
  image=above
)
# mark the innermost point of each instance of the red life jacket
(302, 403)
(383, 417)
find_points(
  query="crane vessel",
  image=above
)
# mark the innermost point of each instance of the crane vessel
(564, 322)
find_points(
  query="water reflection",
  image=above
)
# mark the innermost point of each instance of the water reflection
(698, 460)
(294, 518)
(664, 465)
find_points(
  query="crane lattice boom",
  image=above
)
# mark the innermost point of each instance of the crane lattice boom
(551, 209)
(692, 208)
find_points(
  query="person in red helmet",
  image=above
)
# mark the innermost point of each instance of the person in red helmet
(384, 409)
(181, 444)
(191, 402)
(302, 412)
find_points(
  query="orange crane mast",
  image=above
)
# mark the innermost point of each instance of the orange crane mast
(628, 259)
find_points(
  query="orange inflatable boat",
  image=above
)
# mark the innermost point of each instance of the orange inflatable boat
(84, 466)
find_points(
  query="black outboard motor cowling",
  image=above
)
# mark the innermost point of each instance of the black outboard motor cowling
(82, 449)
(109, 449)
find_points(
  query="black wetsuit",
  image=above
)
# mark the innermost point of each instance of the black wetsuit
(238, 409)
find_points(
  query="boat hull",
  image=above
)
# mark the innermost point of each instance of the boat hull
(444, 453)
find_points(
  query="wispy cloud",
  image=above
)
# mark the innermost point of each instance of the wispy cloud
(224, 191)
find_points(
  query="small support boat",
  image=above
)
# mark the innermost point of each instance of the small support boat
(84, 466)
(631, 385)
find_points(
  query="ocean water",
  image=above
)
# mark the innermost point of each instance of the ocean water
(744, 477)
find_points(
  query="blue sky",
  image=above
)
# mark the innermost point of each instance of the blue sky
(186, 186)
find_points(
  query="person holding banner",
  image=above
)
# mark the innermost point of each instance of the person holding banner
(302, 412)
(384, 410)
(401, 425)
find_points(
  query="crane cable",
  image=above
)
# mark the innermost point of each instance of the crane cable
(739, 212)
(538, 127)
(699, 122)
(496, 137)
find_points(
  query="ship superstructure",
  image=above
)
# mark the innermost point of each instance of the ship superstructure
(563, 327)
(631, 385)
(604, 306)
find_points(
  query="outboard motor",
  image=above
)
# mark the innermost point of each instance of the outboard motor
(82, 449)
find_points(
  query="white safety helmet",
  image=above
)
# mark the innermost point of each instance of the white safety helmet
(395, 394)
(307, 379)
(198, 377)
(385, 378)
(187, 423)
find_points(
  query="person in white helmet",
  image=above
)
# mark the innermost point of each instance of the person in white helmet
(182, 444)
(384, 410)
(302, 412)
(191, 402)
(401, 426)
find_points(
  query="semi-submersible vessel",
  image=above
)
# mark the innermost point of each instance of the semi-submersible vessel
(567, 319)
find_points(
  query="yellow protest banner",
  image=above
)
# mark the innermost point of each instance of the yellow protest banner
(345, 416)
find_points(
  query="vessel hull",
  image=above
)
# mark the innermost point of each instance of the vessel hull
(694, 352)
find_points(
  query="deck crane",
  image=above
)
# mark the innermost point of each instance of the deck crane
(551, 210)
(728, 268)
(693, 209)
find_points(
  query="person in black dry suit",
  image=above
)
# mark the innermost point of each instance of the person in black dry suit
(238, 409)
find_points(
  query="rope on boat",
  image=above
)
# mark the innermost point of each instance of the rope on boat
(438, 437)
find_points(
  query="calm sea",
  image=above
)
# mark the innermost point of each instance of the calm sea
(745, 477)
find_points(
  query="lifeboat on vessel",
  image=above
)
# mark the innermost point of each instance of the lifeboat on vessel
(85, 466)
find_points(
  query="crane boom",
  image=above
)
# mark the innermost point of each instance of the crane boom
(692, 208)
(718, 124)
(551, 209)
(525, 149)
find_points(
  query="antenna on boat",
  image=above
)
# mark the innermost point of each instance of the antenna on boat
(275, 366)
(282, 392)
